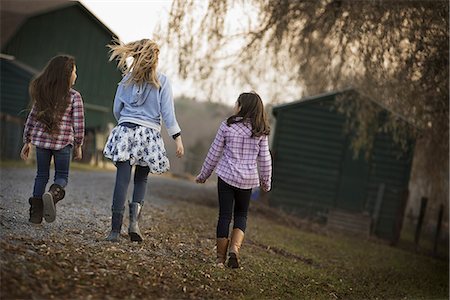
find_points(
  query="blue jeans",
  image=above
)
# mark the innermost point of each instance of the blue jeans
(123, 176)
(62, 163)
(229, 195)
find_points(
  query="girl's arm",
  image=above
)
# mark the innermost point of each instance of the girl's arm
(265, 164)
(29, 125)
(78, 120)
(118, 105)
(214, 153)
(168, 116)
(168, 108)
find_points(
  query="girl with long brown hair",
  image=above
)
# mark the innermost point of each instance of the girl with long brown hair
(143, 99)
(54, 126)
(239, 149)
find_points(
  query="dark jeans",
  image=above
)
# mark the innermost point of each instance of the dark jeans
(61, 159)
(227, 196)
(123, 176)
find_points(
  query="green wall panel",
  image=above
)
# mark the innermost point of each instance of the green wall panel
(72, 30)
(314, 170)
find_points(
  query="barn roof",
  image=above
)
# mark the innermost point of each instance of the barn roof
(14, 13)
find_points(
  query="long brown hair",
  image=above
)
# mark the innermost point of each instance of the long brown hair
(145, 55)
(252, 110)
(49, 91)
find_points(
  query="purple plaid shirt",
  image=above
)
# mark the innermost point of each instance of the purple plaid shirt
(71, 127)
(237, 156)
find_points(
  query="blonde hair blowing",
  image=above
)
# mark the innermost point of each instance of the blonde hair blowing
(145, 60)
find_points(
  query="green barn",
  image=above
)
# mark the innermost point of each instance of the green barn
(316, 174)
(14, 81)
(35, 32)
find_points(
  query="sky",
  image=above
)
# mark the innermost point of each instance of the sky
(137, 19)
(133, 20)
(130, 19)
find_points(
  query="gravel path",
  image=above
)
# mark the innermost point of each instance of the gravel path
(70, 259)
(87, 205)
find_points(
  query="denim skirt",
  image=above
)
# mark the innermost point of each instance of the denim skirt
(139, 145)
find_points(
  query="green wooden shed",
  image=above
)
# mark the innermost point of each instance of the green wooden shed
(14, 81)
(44, 29)
(316, 174)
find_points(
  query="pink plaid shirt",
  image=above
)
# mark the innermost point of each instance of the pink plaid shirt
(237, 156)
(71, 127)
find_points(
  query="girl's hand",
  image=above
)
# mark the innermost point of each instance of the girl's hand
(78, 153)
(199, 180)
(180, 148)
(264, 187)
(25, 152)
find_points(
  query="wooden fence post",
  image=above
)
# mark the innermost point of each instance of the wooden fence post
(438, 228)
(378, 203)
(399, 218)
(423, 207)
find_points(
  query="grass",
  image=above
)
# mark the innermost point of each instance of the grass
(313, 266)
(426, 241)
(177, 261)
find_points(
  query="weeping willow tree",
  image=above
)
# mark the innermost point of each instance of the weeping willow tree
(395, 52)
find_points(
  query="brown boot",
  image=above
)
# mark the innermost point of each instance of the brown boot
(222, 247)
(36, 210)
(237, 236)
(54, 195)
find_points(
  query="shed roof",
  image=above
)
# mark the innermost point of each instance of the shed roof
(307, 100)
(14, 13)
(317, 98)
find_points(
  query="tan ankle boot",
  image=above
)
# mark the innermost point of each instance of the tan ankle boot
(222, 247)
(237, 237)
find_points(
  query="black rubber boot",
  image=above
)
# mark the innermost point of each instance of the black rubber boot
(55, 194)
(133, 229)
(116, 226)
(36, 210)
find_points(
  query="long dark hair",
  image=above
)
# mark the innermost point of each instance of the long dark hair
(49, 91)
(252, 110)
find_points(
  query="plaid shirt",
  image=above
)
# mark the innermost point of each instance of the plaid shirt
(70, 129)
(237, 156)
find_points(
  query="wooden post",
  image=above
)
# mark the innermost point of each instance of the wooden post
(438, 228)
(423, 207)
(378, 203)
(399, 218)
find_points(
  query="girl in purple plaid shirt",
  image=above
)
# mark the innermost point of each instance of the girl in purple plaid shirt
(240, 148)
(55, 125)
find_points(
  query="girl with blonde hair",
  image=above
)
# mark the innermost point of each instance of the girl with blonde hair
(143, 99)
